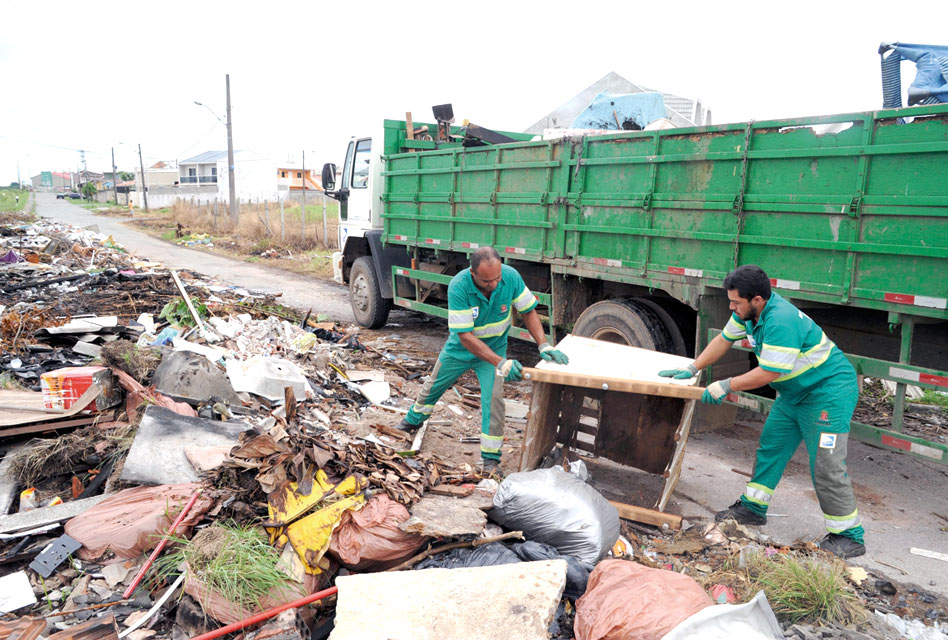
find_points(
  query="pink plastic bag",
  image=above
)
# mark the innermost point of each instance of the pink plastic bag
(369, 539)
(628, 601)
(134, 520)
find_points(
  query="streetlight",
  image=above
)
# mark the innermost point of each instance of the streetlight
(234, 214)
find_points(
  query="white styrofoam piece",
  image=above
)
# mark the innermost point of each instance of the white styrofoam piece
(267, 377)
(610, 360)
(375, 391)
(15, 592)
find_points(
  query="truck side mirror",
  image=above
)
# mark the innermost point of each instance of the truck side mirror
(329, 176)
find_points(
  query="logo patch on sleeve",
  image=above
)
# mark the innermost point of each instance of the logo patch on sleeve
(503, 308)
(474, 312)
(827, 441)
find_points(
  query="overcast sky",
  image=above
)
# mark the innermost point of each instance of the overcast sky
(308, 75)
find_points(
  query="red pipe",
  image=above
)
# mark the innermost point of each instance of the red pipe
(319, 595)
(161, 544)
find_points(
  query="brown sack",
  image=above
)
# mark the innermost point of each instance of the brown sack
(134, 520)
(370, 540)
(226, 612)
(628, 601)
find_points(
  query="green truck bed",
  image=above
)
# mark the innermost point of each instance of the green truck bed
(858, 217)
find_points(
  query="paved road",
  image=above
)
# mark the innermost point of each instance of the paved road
(897, 495)
(298, 291)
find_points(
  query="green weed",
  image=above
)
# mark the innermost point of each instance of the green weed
(805, 589)
(8, 382)
(232, 560)
(931, 396)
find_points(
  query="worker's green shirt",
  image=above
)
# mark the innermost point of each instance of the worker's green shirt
(469, 310)
(785, 340)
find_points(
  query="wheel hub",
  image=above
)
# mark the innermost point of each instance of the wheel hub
(360, 292)
(614, 335)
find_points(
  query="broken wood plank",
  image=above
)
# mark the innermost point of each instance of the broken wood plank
(392, 432)
(667, 390)
(452, 490)
(648, 516)
(103, 628)
(419, 437)
(26, 628)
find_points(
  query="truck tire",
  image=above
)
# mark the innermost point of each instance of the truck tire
(368, 306)
(627, 321)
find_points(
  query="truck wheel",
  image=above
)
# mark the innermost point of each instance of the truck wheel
(627, 321)
(368, 306)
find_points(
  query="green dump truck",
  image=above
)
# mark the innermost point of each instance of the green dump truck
(628, 236)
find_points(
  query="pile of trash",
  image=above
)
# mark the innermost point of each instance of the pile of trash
(218, 465)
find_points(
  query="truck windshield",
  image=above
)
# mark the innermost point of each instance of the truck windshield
(360, 164)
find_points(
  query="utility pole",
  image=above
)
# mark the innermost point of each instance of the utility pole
(234, 211)
(142, 165)
(114, 178)
(303, 203)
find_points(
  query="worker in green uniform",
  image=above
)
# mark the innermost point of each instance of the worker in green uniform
(481, 301)
(816, 396)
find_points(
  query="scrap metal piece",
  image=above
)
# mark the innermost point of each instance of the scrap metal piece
(54, 554)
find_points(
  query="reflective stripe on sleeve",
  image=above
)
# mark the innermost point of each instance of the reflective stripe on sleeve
(838, 524)
(758, 494)
(525, 301)
(460, 319)
(734, 330)
(778, 357)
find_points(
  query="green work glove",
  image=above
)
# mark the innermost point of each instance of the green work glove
(716, 392)
(548, 353)
(679, 374)
(511, 370)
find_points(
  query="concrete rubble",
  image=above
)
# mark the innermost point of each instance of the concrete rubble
(256, 430)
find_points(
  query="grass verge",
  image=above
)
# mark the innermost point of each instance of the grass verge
(8, 199)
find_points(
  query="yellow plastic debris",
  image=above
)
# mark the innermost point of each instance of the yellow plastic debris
(286, 506)
(310, 536)
(304, 342)
(309, 533)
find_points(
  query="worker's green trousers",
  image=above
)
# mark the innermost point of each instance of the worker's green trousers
(446, 372)
(822, 422)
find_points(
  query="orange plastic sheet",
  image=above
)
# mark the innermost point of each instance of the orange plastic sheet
(370, 540)
(625, 600)
(134, 520)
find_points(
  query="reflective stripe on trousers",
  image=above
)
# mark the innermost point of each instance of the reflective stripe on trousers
(445, 373)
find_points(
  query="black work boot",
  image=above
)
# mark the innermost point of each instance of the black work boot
(841, 546)
(491, 469)
(741, 514)
(405, 425)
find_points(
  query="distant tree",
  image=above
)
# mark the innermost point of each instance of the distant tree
(89, 190)
(14, 185)
(126, 175)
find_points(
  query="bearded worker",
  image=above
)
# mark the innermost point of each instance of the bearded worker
(816, 396)
(481, 300)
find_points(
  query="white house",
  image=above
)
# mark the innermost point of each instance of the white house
(203, 179)
(254, 175)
